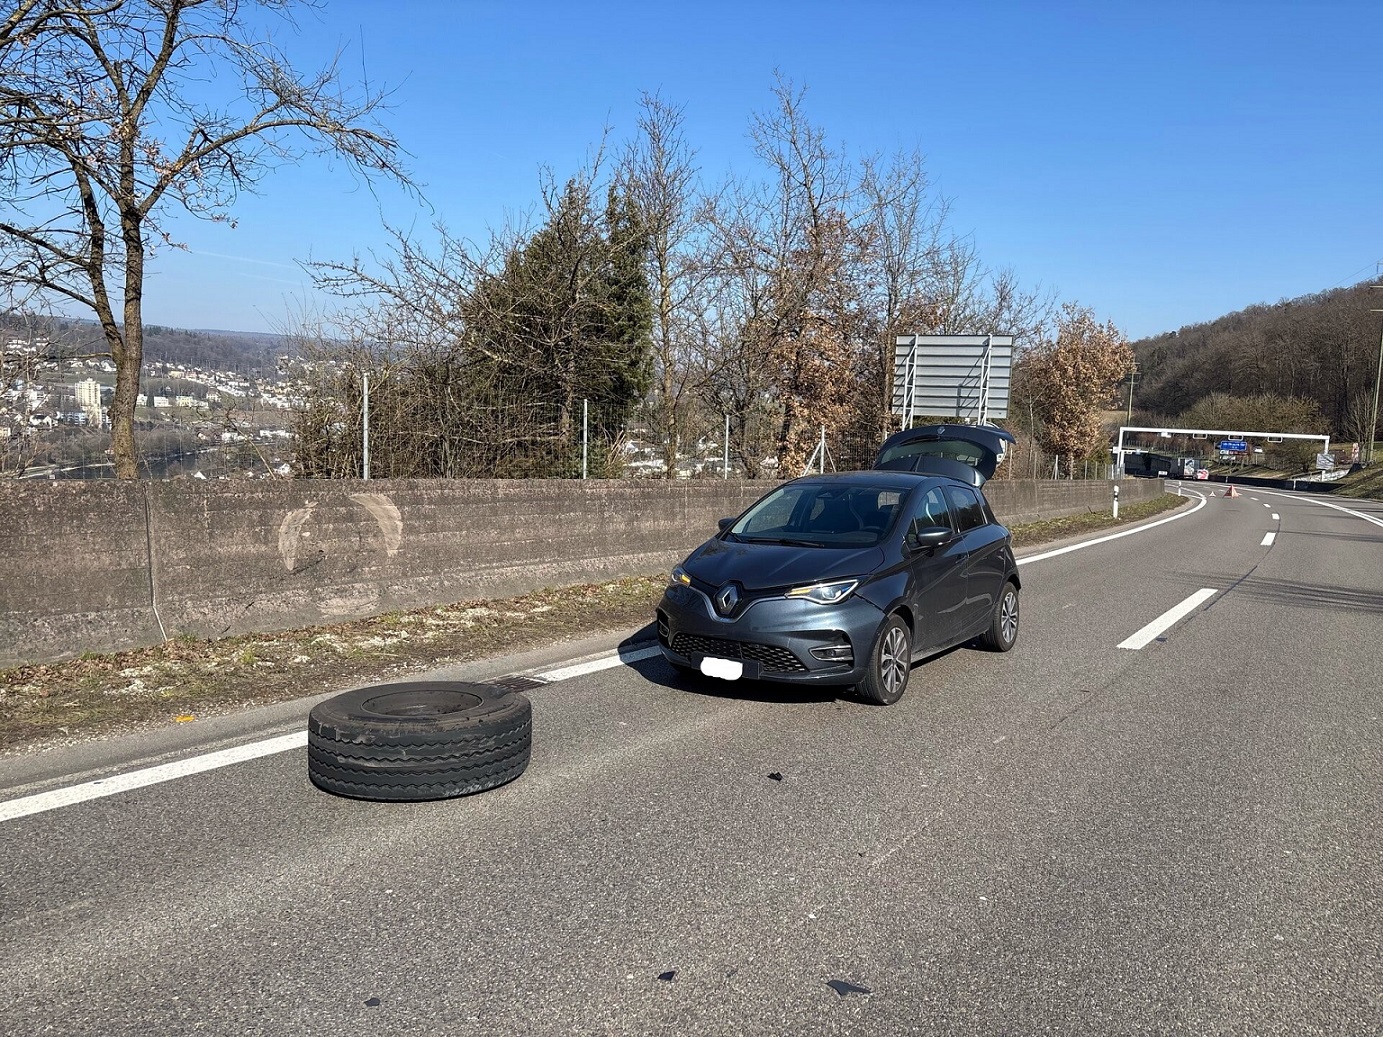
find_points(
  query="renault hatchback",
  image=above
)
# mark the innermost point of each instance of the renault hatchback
(849, 579)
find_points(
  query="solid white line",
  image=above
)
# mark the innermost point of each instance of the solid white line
(1167, 620)
(117, 783)
(1327, 504)
(1268, 539)
(609, 662)
(1113, 536)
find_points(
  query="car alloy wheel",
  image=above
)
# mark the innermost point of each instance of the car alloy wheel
(1003, 625)
(890, 664)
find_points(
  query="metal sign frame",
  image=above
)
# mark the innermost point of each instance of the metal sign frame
(1197, 433)
(966, 377)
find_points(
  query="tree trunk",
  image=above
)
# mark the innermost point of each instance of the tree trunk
(129, 355)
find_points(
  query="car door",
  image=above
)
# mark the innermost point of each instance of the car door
(985, 565)
(936, 592)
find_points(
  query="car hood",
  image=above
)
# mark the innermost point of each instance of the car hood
(765, 566)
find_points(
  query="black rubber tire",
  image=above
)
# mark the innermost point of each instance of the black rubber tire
(1003, 622)
(418, 740)
(890, 663)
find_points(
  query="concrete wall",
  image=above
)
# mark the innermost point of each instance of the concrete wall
(102, 566)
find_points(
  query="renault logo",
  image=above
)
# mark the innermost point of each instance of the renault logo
(727, 599)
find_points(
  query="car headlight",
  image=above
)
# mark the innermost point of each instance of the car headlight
(679, 575)
(824, 593)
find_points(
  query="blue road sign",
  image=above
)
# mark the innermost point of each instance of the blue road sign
(1237, 446)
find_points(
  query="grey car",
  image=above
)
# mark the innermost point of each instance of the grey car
(851, 578)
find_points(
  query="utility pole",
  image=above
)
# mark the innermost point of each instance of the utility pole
(1131, 375)
(1377, 381)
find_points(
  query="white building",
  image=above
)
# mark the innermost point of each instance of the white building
(89, 399)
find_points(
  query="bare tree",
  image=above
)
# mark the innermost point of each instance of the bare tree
(786, 258)
(658, 173)
(106, 123)
(1357, 424)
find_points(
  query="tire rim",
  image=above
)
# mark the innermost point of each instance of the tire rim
(893, 660)
(431, 703)
(1008, 617)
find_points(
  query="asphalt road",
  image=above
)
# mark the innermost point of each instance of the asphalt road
(1073, 838)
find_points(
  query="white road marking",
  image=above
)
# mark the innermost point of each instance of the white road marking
(1268, 539)
(117, 783)
(1267, 505)
(592, 666)
(1167, 620)
(1277, 517)
(1114, 536)
(1327, 504)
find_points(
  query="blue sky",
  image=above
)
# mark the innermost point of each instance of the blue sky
(1161, 162)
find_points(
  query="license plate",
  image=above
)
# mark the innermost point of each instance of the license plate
(725, 669)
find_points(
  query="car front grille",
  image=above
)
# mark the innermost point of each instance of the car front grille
(770, 657)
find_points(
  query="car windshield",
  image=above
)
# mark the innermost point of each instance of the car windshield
(821, 515)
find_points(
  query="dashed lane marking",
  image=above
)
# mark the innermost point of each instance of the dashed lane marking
(1167, 620)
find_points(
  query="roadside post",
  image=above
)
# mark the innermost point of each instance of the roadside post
(1116, 500)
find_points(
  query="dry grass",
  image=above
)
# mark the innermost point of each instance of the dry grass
(186, 678)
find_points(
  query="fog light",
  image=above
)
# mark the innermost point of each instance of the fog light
(834, 654)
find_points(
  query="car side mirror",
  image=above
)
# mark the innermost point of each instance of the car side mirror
(923, 538)
(726, 523)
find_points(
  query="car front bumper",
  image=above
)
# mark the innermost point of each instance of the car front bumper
(775, 639)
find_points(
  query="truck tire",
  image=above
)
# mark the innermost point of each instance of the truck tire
(418, 740)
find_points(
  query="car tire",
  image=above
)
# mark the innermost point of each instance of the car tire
(1003, 623)
(418, 740)
(890, 662)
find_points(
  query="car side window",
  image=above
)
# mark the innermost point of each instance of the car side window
(969, 510)
(931, 510)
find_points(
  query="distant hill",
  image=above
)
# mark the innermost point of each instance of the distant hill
(251, 354)
(1321, 347)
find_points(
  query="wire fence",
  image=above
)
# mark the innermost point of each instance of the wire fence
(583, 440)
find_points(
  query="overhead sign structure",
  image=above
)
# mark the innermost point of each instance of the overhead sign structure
(952, 376)
(1236, 443)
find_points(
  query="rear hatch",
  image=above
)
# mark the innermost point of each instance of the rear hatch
(969, 453)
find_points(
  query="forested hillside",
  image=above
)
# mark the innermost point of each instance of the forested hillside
(246, 353)
(1321, 348)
